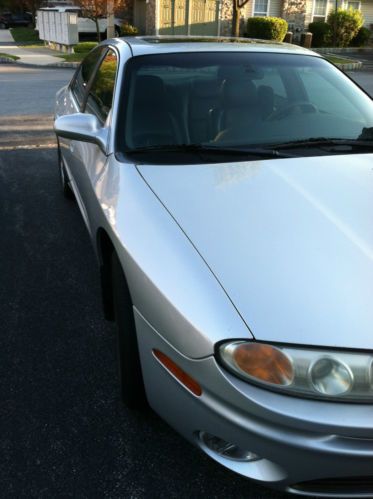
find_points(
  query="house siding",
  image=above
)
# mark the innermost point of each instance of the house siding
(367, 11)
(226, 17)
(275, 8)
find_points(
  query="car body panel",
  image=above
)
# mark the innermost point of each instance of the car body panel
(164, 44)
(290, 240)
(275, 427)
(192, 311)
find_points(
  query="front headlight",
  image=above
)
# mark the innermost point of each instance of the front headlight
(307, 372)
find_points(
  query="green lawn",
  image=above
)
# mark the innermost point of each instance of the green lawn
(73, 57)
(9, 56)
(338, 60)
(25, 35)
(81, 50)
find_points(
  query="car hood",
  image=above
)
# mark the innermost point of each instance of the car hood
(290, 241)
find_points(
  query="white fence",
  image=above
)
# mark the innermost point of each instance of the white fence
(58, 27)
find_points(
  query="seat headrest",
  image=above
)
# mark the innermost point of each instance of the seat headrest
(238, 93)
(205, 89)
(149, 90)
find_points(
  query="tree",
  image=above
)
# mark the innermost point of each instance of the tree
(344, 25)
(94, 9)
(236, 16)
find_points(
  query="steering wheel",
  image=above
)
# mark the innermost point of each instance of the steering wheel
(301, 106)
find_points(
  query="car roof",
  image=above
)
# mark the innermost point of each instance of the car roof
(143, 45)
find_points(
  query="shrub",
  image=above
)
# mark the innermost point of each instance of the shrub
(84, 47)
(320, 34)
(344, 25)
(267, 28)
(128, 30)
(361, 38)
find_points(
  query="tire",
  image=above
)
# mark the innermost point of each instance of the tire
(2, 26)
(130, 374)
(66, 189)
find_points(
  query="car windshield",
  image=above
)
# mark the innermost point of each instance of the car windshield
(240, 101)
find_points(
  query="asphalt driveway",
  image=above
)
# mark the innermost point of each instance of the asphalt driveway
(64, 431)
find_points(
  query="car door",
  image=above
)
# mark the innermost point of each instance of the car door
(89, 159)
(73, 101)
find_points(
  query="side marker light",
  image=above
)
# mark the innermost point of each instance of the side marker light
(184, 378)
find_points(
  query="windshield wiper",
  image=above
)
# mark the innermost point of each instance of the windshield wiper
(324, 141)
(202, 148)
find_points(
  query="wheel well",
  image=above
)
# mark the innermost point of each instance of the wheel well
(105, 249)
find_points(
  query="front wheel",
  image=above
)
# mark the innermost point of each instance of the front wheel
(2, 26)
(130, 374)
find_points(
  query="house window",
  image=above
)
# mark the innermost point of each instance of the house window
(261, 8)
(319, 10)
(353, 5)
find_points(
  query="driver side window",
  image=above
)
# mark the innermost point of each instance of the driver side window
(83, 75)
(100, 96)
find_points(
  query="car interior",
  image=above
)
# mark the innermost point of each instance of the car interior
(235, 105)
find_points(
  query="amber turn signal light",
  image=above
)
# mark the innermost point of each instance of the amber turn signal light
(261, 362)
(184, 378)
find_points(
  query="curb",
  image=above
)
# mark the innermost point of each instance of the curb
(60, 65)
(348, 66)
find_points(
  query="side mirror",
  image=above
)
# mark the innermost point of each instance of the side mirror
(83, 127)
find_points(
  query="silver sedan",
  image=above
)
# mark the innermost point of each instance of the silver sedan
(227, 187)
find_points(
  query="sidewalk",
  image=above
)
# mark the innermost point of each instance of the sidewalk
(40, 56)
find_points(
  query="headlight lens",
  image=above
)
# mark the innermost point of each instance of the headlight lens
(307, 372)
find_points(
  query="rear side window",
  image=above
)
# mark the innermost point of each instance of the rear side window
(84, 74)
(101, 92)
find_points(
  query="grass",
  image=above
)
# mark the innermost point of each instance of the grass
(81, 50)
(25, 35)
(73, 57)
(338, 60)
(9, 56)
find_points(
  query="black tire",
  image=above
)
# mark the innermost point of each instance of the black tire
(66, 189)
(130, 374)
(3, 26)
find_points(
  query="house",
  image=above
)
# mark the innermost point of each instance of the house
(214, 17)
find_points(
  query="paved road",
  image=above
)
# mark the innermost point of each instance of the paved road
(364, 79)
(64, 432)
(6, 36)
(27, 104)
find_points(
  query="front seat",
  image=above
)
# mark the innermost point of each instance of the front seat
(239, 106)
(152, 122)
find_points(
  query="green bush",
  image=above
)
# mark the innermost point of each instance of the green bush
(320, 34)
(128, 30)
(267, 28)
(84, 47)
(344, 25)
(361, 38)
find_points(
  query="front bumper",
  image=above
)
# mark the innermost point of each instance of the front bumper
(303, 444)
